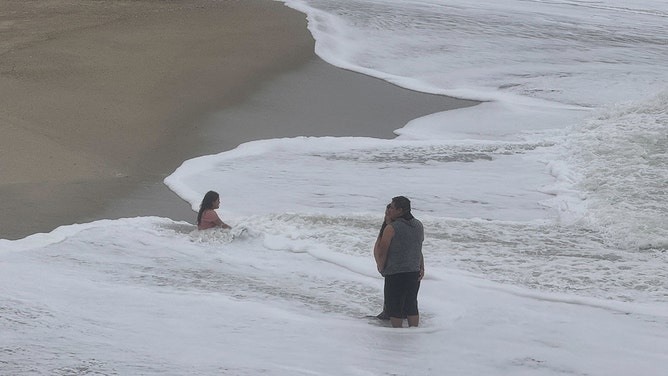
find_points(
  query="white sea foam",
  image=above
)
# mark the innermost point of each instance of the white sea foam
(151, 296)
(622, 156)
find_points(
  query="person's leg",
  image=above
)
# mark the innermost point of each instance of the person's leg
(394, 299)
(411, 306)
(383, 314)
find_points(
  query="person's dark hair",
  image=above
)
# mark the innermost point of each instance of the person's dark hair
(403, 203)
(207, 203)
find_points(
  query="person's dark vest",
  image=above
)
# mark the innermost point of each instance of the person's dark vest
(405, 252)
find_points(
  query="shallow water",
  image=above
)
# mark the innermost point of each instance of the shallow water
(544, 212)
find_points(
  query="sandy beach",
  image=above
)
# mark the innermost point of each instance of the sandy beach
(102, 100)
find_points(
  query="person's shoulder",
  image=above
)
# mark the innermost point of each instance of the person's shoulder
(401, 222)
(209, 213)
(416, 223)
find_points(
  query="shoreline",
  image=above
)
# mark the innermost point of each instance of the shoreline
(98, 96)
(356, 105)
(295, 93)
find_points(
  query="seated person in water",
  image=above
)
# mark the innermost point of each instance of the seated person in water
(207, 217)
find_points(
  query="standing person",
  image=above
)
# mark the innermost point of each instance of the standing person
(207, 217)
(399, 259)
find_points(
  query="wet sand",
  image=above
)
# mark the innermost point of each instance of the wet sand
(103, 100)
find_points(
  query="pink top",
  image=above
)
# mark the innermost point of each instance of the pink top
(209, 220)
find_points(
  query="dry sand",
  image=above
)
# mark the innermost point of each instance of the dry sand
(100, 100)
(95, 95)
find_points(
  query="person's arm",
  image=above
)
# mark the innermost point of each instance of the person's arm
(218, 221)
(421, 254)
(386, 221)
(382, 246)
(421, 268)
(380, 234)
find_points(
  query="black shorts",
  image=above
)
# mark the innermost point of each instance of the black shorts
(401, 291)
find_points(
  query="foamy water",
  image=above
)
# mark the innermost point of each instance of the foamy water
(544, 209)
(582, 83)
